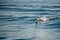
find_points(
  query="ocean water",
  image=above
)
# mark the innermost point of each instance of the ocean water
(17, 20)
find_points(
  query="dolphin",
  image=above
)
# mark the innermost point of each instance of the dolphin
(44, 19)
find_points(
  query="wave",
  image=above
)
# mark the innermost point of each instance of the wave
(32, 10)
(25, 39)
(50, 6)
(3, 37)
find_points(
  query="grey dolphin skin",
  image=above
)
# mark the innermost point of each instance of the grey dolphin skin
(44, 19)
(38, 20)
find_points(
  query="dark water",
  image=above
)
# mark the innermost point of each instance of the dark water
(17, 20)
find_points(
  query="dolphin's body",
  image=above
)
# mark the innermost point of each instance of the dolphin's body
(44, 19)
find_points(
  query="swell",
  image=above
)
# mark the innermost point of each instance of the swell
(26, 39)
(27, 10)
(53, 26)
(9, 17)
(26, 7)
(50, 6)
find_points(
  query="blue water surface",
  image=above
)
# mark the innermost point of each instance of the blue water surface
(17, 20)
